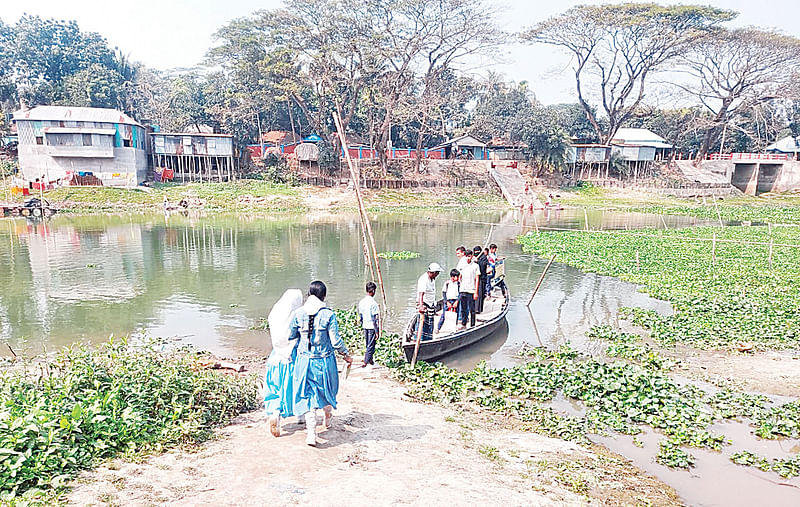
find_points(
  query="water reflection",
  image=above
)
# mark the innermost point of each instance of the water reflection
(208, 280)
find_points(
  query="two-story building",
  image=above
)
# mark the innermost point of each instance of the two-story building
(67, 145)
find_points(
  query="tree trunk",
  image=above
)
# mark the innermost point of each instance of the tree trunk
(711, 133)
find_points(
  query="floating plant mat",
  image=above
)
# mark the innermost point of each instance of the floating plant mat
(399, 256)
(726, 284)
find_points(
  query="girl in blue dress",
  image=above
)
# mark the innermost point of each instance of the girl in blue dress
(316, 378)
(278, 392)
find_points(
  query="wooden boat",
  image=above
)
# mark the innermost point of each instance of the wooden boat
(495, 309)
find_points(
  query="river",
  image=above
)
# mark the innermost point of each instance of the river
(208, 280)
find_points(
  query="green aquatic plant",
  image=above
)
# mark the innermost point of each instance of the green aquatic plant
(726, 284)
(87, 405)
(399, 256)
(785, 467)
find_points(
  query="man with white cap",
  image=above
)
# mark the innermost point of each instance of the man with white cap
(426, 299)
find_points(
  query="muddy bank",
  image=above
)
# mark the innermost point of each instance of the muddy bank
(383, 449)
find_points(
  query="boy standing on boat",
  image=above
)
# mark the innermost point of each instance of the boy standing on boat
(426, 299)
(468, 290)
(449, 297)
(369, 316)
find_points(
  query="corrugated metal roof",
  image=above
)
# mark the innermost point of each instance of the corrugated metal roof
(638, 136)
(466, 141)
(189, 134)
(69, 113)
(785, 145)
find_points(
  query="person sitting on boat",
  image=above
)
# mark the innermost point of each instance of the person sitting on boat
(370, 319)
(278, 395)
(449, 297)
(316, 378)
(467, 292)
(426, 299)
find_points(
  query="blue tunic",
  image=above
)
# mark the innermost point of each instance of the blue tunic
(316, 378)
(278, 392)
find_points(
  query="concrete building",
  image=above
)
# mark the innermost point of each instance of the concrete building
(81, 145)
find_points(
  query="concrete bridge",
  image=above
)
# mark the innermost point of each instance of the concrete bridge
(752, 173)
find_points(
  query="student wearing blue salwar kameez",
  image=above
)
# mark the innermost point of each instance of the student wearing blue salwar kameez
(316, 377)
(278, 391)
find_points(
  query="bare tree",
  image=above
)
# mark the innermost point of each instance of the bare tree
(736, 70)
(422, 40)
(616, 49)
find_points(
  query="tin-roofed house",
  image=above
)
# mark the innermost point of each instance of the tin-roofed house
(188, 156)
(81, 145)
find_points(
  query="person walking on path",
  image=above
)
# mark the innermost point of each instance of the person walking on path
(482, 261)
(449, 297)
(316, 378)
(468, 291)
(370, 319)
(278, 399)
(426, 299)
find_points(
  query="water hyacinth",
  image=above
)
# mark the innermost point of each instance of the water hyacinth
(87, 405)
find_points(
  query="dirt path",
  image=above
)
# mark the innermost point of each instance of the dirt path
(383, 449)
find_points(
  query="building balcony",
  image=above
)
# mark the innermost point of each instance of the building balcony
(81, 151)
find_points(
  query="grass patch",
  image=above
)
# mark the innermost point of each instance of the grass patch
(88, 405)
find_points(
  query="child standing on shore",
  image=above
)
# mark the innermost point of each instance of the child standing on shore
(450, 297)
(369, 317)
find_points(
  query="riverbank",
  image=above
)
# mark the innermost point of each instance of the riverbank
(254, 195)
(384, 449)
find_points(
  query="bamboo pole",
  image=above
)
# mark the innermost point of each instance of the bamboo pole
(362, 209)
(365, 250)
(719, 216)
(419, 339)
(541, 278)
(714, 249)
(489, 237)
(769, 225)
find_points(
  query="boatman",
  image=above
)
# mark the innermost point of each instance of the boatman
(426, 299)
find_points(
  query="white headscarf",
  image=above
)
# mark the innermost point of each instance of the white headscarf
(279, 319)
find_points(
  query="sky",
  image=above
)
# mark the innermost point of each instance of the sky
(176, 33)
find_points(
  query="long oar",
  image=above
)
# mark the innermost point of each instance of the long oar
(419, 339)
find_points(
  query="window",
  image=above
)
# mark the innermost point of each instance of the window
(126, 143)
(87, 139)
(39, 139)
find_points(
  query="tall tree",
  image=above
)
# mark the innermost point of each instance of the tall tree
(735, 70)
(617, 48)
(47, 51)
(419, 40)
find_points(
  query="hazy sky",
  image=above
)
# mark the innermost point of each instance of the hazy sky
(176, 33)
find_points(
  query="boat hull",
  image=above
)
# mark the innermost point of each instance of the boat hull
(434, 349)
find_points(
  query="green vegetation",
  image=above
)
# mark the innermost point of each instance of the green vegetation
(787, 467)
(722, 292)
(399, 256)
(87, 405)
(617, 396)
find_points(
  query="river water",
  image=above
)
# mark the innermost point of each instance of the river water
(209, 280)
